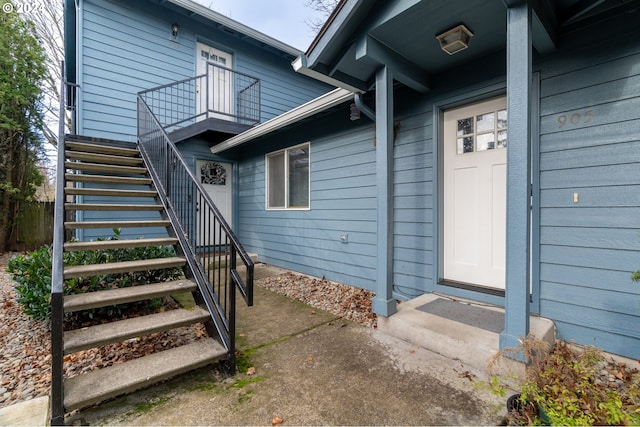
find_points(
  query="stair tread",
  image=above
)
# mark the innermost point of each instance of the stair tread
(109, 297)
(111, 207)
(101, 148)
(119, 244)
(97, 167)
(108, 333)
(90, 388)
(92, 140)
(110, 192)
(109, 159)
(121, 267)
(115, 224)
(107, 179)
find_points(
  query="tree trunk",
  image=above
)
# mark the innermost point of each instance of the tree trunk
(5, 209)
(5, 227)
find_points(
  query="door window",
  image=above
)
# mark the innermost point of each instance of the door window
(481, 132)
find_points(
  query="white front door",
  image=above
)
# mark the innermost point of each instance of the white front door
(474, 220)
(216, 178)
(215, 94)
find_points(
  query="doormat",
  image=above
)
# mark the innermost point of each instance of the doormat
(471, 315)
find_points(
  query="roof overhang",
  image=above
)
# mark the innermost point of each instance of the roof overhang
(192, 8)
(309, 109)
(361, 36)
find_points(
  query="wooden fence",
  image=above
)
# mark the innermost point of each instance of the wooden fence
(35, 227)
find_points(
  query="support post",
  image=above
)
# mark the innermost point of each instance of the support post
(518, 174)
(384, 304)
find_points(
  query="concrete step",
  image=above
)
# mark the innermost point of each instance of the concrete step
(106, 179)
(104, 158)
(109, 333)
(110, 207)
(107, 192)
(122, 267)
(101, 149)
(119, 244)
(93, 387)
(73, 225)
(460, 329)
(111, 169)
(109, 297)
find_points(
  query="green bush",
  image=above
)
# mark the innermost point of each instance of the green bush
(566, 388)
(32, 274)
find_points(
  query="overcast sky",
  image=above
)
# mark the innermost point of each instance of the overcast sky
(283, 20)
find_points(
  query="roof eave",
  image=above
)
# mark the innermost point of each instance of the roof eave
(299, 66)
(212, 15)
(315, 106)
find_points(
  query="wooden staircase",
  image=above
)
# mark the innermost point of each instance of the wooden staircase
(106, 173)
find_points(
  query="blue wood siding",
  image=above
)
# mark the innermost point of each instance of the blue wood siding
(589, 248)
(343, 200)
(126, 47)
(413, 205)
(124, 51)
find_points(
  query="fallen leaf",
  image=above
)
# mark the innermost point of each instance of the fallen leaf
(466, 374)
(251, 371)
(276, 421)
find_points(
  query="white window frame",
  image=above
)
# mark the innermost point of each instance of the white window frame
(286, 179)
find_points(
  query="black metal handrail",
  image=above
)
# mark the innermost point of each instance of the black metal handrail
(210, 246)
(57, 277)
(220, 93)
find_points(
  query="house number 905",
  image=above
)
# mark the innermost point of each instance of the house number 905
(575, 119)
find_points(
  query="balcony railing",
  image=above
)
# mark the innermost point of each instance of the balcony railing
(221, 93)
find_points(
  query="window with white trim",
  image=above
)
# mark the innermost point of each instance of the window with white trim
(287, 177)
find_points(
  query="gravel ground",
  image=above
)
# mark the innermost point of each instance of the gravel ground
(25, 361)
(341, 300)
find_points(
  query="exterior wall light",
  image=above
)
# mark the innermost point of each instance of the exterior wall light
(455, 39)
(174, 30)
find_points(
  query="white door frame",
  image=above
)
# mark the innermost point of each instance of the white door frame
(218, 183)
(474, 201)
(217, 93)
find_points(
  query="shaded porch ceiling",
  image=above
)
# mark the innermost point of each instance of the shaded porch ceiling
(362, 35)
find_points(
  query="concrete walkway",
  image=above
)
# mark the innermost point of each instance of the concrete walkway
(312, 368)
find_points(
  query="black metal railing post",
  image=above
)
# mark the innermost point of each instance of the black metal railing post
(57, 275)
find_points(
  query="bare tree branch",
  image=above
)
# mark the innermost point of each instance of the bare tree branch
(325, 8)
(49, 24)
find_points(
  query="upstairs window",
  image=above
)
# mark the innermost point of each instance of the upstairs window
(287, 178)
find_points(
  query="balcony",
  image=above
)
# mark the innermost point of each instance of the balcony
(215, 105)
